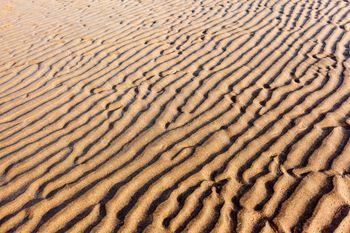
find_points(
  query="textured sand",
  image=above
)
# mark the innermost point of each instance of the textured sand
(174, 116)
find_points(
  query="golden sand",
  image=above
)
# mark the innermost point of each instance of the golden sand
(174, 116)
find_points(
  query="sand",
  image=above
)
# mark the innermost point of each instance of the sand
(175, 116)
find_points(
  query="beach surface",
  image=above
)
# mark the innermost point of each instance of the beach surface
(175, 116)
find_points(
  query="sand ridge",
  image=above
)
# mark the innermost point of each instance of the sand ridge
(174, 116)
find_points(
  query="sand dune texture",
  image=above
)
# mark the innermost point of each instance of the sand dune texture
(175, 116)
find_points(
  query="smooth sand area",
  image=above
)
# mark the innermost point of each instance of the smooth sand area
(175, 116)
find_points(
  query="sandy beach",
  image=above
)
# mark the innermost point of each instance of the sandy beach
(175, 116)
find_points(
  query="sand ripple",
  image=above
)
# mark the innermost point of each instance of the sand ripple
(174, 116)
